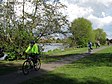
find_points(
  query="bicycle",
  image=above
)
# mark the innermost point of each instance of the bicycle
(29, 65)
(90, 50)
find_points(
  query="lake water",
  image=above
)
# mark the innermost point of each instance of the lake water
(52, 46)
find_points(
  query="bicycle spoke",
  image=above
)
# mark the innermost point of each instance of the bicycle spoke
(37, 65)
(26, 67)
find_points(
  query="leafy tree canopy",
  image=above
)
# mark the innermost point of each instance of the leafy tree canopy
(81, 30)
(100, 35)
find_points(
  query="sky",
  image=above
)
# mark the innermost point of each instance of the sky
(99, 12)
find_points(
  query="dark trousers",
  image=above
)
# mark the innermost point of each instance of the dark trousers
(35, 57)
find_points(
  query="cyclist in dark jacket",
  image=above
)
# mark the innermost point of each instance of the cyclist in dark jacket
(90, 45)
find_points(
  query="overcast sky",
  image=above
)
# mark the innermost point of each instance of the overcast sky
(99, 12)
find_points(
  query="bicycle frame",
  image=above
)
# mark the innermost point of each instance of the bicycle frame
(31, 65)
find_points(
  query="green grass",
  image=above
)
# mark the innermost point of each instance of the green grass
(11, 66)
(67, 51)
(7, 67)
(94, 69)
(57, 54)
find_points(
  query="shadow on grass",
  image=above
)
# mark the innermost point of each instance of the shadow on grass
(6, 68)
(44, 77)
(104, 59)
(53, 58)
(62, 79)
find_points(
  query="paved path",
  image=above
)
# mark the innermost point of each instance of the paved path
(18, 77)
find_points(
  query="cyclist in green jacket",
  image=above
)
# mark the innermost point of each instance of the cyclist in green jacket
(33, 50)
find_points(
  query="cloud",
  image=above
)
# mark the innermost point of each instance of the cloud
(89, 2)
(99, 12)
(100, 22)
(74, 11)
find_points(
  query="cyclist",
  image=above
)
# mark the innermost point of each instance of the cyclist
(33, 50)
(90, 46)
(97, 43)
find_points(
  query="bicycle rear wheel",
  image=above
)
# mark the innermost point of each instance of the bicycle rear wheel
(37, 65)
(25, 67)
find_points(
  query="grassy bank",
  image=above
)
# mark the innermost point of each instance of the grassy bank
(94, 69)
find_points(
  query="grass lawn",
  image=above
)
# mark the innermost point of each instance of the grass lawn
(67, 51)
(94, 69)
(57, 54)
(11, 66)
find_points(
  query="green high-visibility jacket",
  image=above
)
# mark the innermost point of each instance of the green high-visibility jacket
(34, 49)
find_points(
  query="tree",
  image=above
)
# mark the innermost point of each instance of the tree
(82, 32)
(100, 35)
(44, 20)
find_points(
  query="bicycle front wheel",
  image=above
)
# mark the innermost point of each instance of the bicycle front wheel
(26, 67)
(37, 65)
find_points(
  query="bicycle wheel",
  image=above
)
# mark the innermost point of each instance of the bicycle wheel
(37, 65)
(25, 68)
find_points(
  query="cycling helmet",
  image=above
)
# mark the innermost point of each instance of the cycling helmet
(32, 42)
